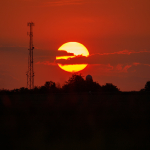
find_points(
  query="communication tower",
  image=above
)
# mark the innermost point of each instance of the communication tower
(30, 72)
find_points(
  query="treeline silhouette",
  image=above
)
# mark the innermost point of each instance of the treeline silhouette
(76, 83)
(79, 115)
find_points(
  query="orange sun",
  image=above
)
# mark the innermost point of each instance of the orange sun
(77, 49)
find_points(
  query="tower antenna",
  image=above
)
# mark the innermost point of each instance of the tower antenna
(30, 72)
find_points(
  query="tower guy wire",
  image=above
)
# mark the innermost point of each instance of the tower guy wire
(30, 72)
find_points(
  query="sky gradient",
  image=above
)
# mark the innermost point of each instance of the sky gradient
(116, 33)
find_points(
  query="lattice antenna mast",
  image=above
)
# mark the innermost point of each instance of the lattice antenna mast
(30, 72)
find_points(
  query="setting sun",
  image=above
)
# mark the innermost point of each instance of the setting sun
(77, 49)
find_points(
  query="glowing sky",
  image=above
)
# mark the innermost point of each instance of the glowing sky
(116, 33)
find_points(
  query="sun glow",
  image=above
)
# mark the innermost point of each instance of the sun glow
(77, 49)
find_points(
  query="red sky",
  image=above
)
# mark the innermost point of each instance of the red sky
(116, 33)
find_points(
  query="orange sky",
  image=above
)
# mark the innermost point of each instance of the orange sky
(116, 33)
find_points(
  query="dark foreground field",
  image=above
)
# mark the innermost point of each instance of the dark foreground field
(75, 121)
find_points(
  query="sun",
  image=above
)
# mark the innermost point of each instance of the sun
(77, 49)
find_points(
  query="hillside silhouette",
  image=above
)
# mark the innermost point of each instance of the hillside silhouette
(79, 115)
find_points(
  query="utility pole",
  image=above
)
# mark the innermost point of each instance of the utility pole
(30, 72)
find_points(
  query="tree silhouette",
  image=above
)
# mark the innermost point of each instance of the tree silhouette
(76, 83)
(109, 87)
(49, 86)
(92, 86)
(147, 87)
(23, 90)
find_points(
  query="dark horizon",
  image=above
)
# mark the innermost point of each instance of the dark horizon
(74, 120)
